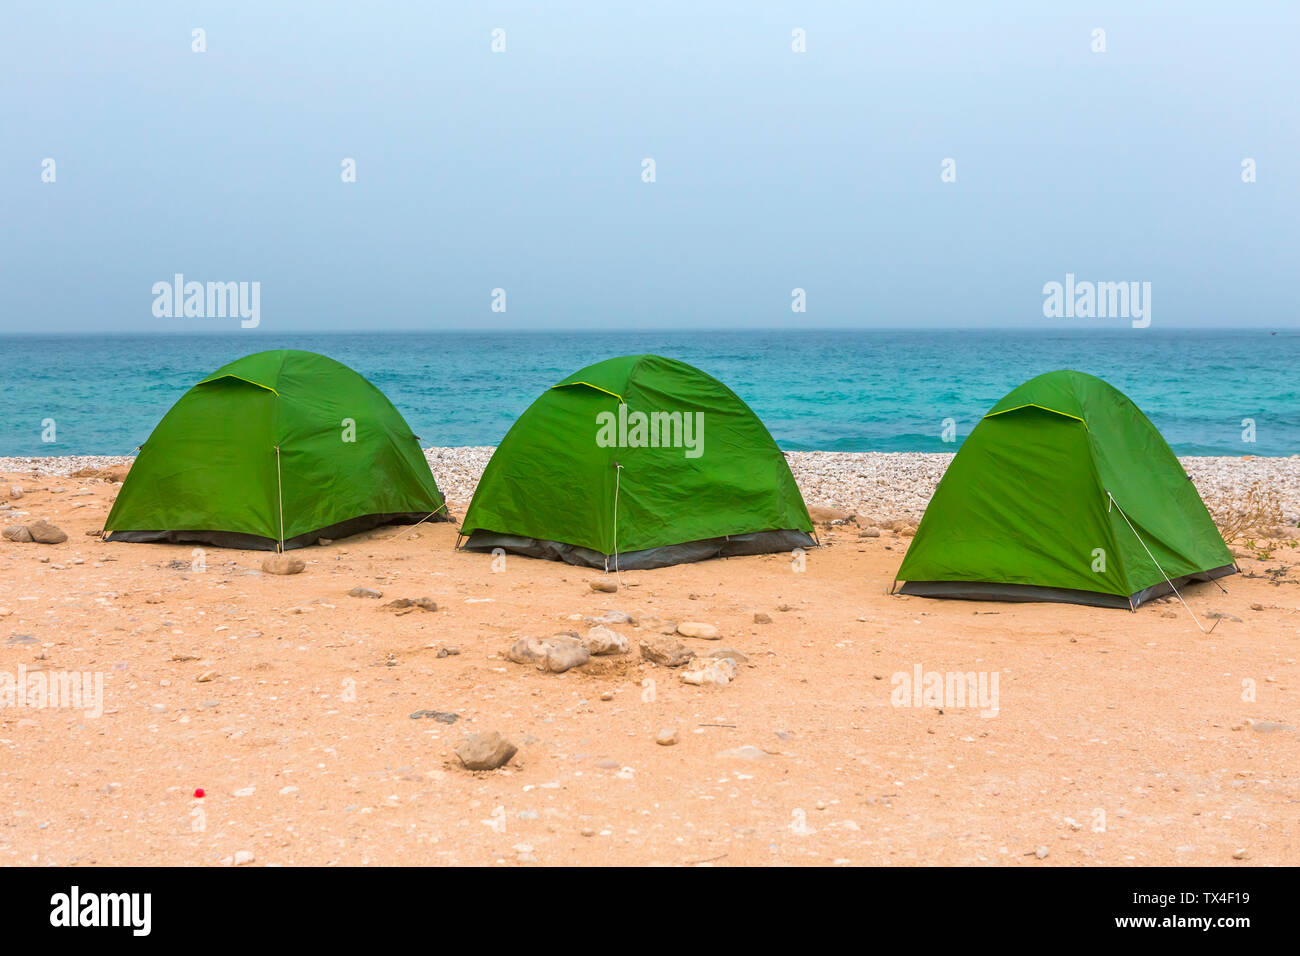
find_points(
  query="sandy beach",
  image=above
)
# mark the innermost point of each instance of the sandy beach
(321, 727)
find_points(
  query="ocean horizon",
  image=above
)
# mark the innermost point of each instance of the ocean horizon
(1209, 391)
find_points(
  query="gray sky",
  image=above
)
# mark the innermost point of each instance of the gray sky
(522, 170)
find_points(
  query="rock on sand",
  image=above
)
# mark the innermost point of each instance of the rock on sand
(663, 650)
(283, 564)
(43, 532)
(485, 751)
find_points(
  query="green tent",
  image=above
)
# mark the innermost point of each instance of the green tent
(637, 462)
(277, 448)
(1064, 492)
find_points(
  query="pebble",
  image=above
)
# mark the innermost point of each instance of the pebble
(601, 640)
(206, 676)
(43, 532)
(17, 533)
(730, 653)
(663, 650)
(360, 592)
(244, 857)
(441, 716)
(614, 617)
(761, 618)
(666, 737)
(283, 564)
(528, 650)
(486, 751)
(1041, 852)
(564, 654)
(605, 587)
(720, 672)
(15, 491)
(424, 603)
(705, 632)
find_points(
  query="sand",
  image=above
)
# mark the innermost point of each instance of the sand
(1118, 738)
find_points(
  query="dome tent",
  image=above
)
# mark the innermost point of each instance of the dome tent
(1064, 492)
(271, 452)
(637, 462)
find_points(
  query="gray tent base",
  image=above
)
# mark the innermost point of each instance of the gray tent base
(254, 542)
(730, 546)
(990, 591)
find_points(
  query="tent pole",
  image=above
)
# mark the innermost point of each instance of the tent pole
(279, 488)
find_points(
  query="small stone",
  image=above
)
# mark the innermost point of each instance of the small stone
(761, 618)
(154, 598)
(588, 832)
(605, 587)
(17, 532)
(43, 532)
(441, 716)
(206, 677)
(614, 617)
(869, 533)
(705, 632)
(720, 672)
(15, 491)
(528, 650)
(1041, 852)
(486, 751)
(1240, 854)
(283, 564)
(730, 653)
(5, 611)
(565, 654)
(243, 857)
(665, 651)
(360, 592)
(607, 695)
(601, 640)
(666, 737)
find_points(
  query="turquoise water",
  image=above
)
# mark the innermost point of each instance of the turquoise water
(833, 390)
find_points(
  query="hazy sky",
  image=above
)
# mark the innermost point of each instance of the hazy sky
(522, 170)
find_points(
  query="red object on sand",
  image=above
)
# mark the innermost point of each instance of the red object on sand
(198, 792)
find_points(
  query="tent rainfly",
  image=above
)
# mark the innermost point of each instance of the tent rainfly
(272, 452)
(1065, 492)
(637, 462)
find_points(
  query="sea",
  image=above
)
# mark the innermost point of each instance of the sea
(1212, 392)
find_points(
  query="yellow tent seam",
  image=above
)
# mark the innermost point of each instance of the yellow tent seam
(589, 385)
(1054, 411)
